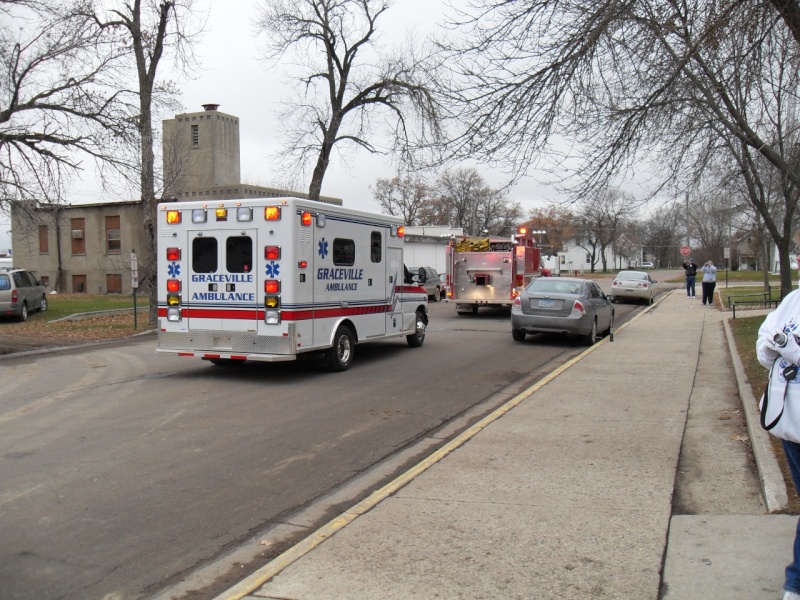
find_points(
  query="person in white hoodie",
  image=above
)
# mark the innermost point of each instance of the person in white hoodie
(709, 282)
(786, 320)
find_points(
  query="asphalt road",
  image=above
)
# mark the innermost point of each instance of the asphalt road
(123, 472)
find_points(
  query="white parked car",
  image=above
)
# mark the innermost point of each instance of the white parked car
(633, 285)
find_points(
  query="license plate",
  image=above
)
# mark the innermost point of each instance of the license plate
(547, 303)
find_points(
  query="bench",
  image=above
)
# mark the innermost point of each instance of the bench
(763, 300)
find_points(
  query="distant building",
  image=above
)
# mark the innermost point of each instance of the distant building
(80, 248)
(201, 160)
(87, 247)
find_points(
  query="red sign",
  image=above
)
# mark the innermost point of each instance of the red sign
(685, 250)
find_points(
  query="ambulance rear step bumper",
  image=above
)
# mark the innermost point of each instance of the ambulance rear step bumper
(229, 344)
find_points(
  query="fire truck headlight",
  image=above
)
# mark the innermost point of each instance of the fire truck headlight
(272, 317)
(174, 314)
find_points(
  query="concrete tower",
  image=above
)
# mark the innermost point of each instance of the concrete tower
(201, 150)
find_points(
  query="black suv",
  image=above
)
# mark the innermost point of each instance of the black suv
(20, 293)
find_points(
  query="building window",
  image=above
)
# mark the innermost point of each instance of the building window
(78, 234)
(588, 258)
(195, 136)
(44, 241)
(79, 284)
(113, 237)
(45, 279)
(113, 283)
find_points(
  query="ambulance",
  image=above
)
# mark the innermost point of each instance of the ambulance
(272, 278)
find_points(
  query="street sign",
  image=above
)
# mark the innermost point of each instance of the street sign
(134, 271)
(685, 250)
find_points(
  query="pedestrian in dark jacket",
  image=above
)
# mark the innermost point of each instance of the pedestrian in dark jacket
(690, 269)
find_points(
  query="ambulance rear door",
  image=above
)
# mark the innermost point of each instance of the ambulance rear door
(222, 283)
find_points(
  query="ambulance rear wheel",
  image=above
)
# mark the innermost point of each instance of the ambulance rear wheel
(341, 354)
(415, 339)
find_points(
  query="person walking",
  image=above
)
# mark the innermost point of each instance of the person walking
(776, 340)
(690, 270)
(709, 282)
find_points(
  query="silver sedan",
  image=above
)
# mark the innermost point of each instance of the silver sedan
(633, 285)
(562, 305)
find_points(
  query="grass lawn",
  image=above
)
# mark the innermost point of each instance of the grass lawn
(745, 332)
(64, 305)
(103, 326)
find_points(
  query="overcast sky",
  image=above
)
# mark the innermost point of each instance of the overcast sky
(234, 76)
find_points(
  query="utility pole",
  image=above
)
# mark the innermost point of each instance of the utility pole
(687, 220)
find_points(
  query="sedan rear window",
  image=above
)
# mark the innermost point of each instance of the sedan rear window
(631, 275)
(554, 286)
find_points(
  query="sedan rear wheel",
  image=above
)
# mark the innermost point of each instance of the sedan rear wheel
(591, 337)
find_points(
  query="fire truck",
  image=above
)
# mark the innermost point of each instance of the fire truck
(490, 271)
(270, 279)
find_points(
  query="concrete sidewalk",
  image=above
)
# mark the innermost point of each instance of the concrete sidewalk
(565, 492)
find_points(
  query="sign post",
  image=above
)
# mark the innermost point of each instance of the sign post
(134, 286)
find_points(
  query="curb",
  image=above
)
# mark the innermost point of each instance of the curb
(773, 487)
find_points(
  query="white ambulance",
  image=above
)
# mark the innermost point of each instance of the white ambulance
(268, 279)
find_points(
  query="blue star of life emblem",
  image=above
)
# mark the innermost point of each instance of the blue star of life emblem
(174, 269)
(323, 248)
(272, 269)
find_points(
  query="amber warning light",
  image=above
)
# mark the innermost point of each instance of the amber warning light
(173, 217)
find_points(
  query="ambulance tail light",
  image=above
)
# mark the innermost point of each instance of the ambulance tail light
(272, 317)
(272, 252)
(306, 219)
(174, 285)
(272, 213)
(174, 308)
(519, 280)
(272, 286)
(272, 301)
(173, 253)
(173, 217)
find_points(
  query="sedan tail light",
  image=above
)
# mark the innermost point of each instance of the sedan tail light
(578, 308)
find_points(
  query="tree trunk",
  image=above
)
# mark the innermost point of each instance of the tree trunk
(315, 189)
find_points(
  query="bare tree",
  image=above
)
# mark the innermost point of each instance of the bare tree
(710, 217)
(468, 202)
(58, 98)
(346, 84)
(403, 196)
(151, 27)
(600, 219)
(678, 81)
(661, 235)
